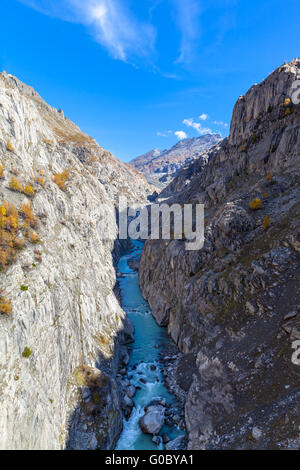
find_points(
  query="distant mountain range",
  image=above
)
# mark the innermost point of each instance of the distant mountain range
(161, 166)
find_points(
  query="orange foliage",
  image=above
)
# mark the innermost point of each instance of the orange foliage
(28, 190)
(15, 184)
(255, 204)
(266, 222)
(60, 179)
(5, 306)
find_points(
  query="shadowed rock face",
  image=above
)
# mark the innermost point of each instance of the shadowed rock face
(66, 315)
(235, 304)
(161, 167)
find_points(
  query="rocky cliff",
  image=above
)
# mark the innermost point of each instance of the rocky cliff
(61, 325)
(234, 307)
(160, 167)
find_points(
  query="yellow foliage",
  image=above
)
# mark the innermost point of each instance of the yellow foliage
(287, 101)
(15, 184)
(265, 195)
(255, 204)
(28, 190)
(10, 146)
(27, 212)
(266, 222)
(40, 180)
(60, 179)
(5, 306)
(287, 111)
(1, 172)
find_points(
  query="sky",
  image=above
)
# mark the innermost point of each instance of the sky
(140, 74)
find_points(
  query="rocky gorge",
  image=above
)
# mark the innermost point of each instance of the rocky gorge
(233, 308)
(83, 364)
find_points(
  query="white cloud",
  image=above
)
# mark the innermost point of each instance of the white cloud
(203, 117)
(197, 126)
(164, 134)
(110, 21)
(220, 123)
(188, 13)
(180, 135)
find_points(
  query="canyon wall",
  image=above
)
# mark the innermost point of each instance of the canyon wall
(234, 307)
(61, 325)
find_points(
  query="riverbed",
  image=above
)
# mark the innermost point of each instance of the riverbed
(145, 370)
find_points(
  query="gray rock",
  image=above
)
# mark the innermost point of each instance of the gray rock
(177, 444)
(152, 421)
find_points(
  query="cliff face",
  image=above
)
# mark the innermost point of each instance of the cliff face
(233, 307)
(160, 167)
(57, 278)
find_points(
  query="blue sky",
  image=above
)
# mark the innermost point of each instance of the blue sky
(139, 74)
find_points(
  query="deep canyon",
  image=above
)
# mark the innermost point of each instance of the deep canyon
(83, 363)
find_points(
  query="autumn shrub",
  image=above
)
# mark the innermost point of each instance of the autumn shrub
(15, 184)
(61, 178)
(5, 306)
(10, 146)
(1, 172)
(269, 177)
(40, 180)
(266, 222)
(26, 211)
(28, 190)
(255, 204)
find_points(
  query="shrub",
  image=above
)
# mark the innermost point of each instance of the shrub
(27, 352)
(255, 204)
(33, 237)
(28, 190)
(60, 179)
(40, 180)
(265, 195)
(287, 101)
(1, 172)
(24, 288)
(10, 146)
(27, 212)
(287, 111)
(5, 306)
(266, 222)
(15, 184)
(269, 177)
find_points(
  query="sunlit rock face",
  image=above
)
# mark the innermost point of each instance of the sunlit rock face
(65, 314)
(233, 307)
(161, 167)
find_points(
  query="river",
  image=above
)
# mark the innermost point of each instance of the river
(150, 341)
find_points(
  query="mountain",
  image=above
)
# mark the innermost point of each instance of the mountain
(233, 307)
(160, 167)
(62, 330)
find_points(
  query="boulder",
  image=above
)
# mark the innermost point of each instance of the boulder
(153, 420)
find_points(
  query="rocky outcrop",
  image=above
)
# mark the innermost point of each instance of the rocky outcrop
(60, 322)
(235, 305)
(161, 167)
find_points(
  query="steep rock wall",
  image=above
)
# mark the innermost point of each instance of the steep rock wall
(65, 315)
(234, 305)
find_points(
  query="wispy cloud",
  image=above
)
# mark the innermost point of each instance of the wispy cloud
(180, 135)
(187, 17)
(220, 123)
(197, 126)
(164, 134)
(203, 117)
(111, 22)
